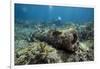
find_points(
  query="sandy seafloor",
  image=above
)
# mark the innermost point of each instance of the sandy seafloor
(37, 52)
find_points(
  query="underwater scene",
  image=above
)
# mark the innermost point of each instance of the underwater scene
(46, 34)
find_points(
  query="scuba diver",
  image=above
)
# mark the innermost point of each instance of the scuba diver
(58, 21)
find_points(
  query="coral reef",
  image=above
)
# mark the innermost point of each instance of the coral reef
(37, 44)
(66, 40)
(86, 32)
(36, 53)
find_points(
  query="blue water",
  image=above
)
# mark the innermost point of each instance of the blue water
(49, 13)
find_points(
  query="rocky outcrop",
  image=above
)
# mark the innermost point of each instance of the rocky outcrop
(60, 39)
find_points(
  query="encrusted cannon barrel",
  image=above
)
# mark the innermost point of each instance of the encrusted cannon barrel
(60, 39)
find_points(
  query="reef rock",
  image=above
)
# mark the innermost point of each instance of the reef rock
(60, 39)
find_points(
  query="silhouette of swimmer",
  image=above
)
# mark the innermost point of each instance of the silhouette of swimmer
(58, 21)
